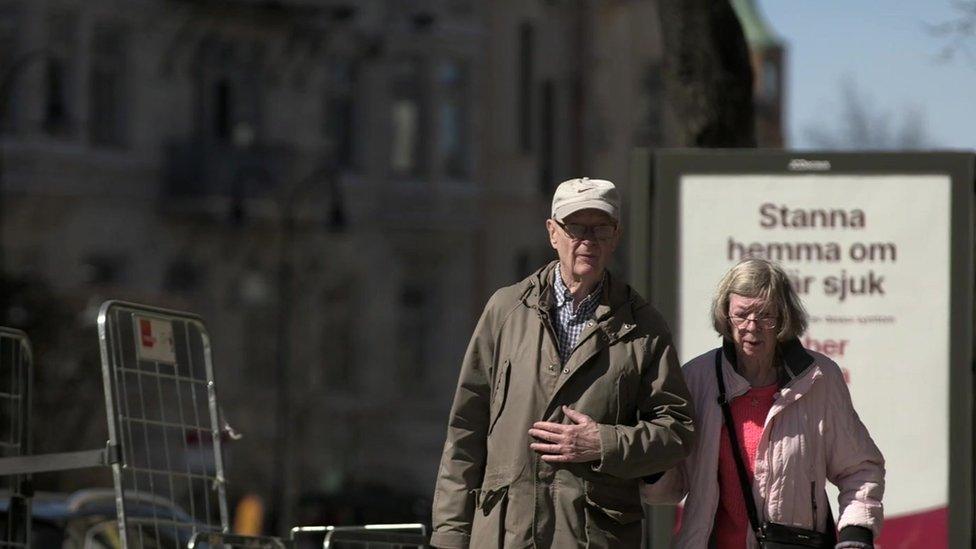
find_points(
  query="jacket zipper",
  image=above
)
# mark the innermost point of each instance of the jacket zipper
(813, 501)
(765, 438)
(769, 487)
(769, 460)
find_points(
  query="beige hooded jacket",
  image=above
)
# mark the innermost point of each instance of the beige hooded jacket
(812, 434)
(492, 489)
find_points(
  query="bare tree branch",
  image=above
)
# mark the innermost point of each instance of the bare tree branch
(958, 33)
(862, 127)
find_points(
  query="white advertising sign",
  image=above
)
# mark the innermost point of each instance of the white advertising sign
(869, 257)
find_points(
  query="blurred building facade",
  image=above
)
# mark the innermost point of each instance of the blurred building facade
(339, 183)
(767, 52)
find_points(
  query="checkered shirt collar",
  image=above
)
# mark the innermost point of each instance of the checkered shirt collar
(562, 294)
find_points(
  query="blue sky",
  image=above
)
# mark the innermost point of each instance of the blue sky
(885, 47)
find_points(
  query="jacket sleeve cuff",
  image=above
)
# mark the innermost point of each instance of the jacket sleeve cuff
(609, 453)
(450, 540)
(856, 533)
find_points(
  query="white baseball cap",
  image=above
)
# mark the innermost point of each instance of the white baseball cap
(584, 193)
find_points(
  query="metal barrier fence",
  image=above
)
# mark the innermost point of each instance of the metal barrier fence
(206, 540)
(163, 420)
(164, 446)
(368, 535)
(16, 375)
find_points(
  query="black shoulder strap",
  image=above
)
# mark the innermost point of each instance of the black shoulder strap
(740, 467)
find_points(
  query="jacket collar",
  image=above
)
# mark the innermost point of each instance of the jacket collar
(794, 358)
(561, 294)
(537, 293)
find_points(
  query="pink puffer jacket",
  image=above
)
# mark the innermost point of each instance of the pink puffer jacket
(811, 434)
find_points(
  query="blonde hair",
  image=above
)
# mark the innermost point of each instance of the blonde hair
(759, 278)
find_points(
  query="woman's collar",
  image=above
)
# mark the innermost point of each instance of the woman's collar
(793, 356)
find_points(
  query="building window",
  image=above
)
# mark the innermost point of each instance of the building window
(10, 28)
(769, 78)
(407, 117)
(108, 93)
(547, 154)
(340, 113)
(232, 106)
(55, 104)
(453, 119)
(650, 105)
(223, 108)
(526, 75)
(60, 73)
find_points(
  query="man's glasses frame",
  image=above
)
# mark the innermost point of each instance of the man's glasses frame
(578, 231)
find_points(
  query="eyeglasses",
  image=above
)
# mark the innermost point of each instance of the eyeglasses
(762, 321)
(577, 231)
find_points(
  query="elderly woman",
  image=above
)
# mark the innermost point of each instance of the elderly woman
(793, 428)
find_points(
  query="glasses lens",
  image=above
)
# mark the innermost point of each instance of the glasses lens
(579, 232)
(575, 230)
(603, 232)
(763, 321)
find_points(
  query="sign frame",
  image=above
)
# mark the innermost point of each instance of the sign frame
(653, 249)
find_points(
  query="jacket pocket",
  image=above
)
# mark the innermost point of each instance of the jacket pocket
(488, 525)
(619, 502)
(499, 394)
(488, 499)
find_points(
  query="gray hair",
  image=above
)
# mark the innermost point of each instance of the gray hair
(759, 278)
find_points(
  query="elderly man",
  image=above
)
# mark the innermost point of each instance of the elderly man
(570, 392)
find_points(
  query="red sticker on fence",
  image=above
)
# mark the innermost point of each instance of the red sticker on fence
(154, 340)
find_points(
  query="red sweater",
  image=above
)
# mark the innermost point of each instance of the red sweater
(749, 413)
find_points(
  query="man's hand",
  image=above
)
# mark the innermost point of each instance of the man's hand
(567, 443)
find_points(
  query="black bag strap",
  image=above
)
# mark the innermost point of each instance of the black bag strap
(740, 466)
